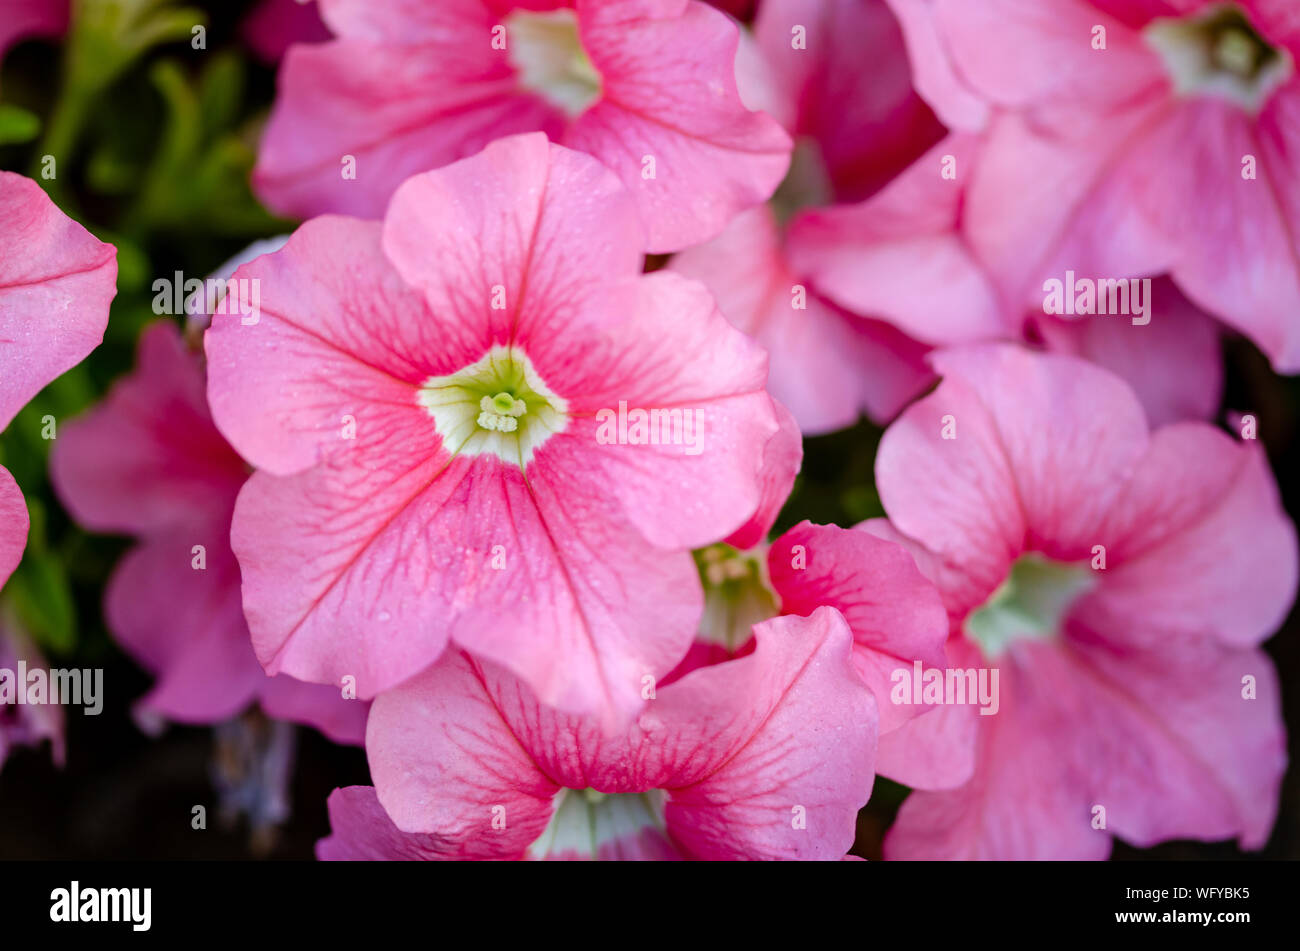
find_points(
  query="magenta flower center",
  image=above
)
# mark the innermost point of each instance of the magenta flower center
(1220, 54)
(546, 51)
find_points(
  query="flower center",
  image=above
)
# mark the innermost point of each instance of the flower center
(1219, 53)
(807, 184)
(737, 594)
(501, 412)
(497, 404)
(586, 824)
(1030, 604)
(546, 51)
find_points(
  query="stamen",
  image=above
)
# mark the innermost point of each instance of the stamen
(499, 404)
(737, 594)
(501, 412)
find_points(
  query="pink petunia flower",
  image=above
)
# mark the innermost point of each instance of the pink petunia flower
(854, 129)
(1125, 138)
(149, 462)
(904, 258)
(828, 365)
(895, 613)
(765, 757)
(897, 618)
(646, 86)
(841, 86)
(450, 414)
(1118, 581)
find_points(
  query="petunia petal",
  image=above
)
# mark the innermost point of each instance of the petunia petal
(56, 281)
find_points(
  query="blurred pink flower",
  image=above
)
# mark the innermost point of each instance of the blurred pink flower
(765, 757)
(842, 87)
(1120, 581)
(22, 19)
(826, 364)
(648, 87)
(431, 405)
(904, 257)
(26, 724)
(274, 25)
(1126, 138)
(854, 129)
(148, 462)
(737, 8)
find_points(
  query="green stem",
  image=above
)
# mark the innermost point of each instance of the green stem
(61, 135)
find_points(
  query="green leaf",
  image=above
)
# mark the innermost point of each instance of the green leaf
(104, 39)
(40, 594)
(17, 125)
(221, 90)
(42, 598)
